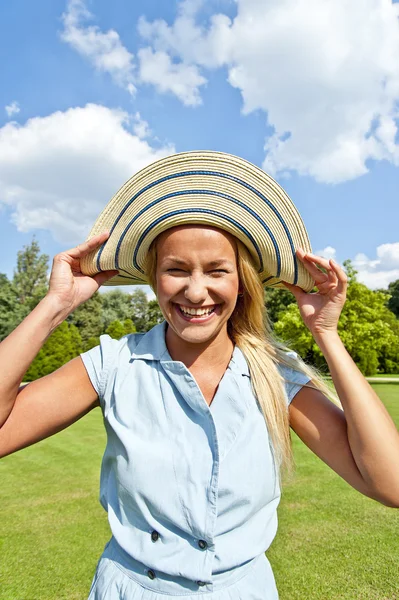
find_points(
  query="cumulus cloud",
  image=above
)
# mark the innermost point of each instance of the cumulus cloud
(105, 51)
(183, 80)
(327, 252)
(374, 273)
(140, 127)
(379, 272)
(12, 109)
(325, 74)
(58, 172)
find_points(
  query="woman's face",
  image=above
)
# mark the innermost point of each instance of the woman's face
(197, 280)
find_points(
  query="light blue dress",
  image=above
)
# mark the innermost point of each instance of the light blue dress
(190, 489)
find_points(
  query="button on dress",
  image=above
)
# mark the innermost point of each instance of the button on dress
(191, 490)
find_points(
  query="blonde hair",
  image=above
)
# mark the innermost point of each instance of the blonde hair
(249, 327)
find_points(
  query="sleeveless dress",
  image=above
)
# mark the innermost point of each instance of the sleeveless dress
(191, 490)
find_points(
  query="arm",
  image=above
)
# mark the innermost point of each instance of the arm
(344, 443)
(360, 442)
(50, 404)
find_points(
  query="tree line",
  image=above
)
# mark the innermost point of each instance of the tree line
(368, 326)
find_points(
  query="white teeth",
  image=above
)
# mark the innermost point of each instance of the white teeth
(196, 311)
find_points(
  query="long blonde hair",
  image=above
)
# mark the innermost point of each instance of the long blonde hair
(249, 327)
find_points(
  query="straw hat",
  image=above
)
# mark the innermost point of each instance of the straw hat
(202, 187)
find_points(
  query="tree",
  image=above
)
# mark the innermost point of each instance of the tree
(393, 302)
(63, 344)
(116, 329)
(139, 309)
(154, 314)
(116, 306)
(368, 329)
(350, 271)
(30, 277)
(88, 319)
(276, 301)
(11, 311)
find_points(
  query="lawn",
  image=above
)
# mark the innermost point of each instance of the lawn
(332, 543)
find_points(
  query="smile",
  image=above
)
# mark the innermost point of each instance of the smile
(196, 314)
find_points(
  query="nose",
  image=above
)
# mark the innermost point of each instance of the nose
(196, 290)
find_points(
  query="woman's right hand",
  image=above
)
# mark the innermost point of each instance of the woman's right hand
(68, 285)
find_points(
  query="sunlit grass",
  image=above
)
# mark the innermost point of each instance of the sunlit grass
(332, 542)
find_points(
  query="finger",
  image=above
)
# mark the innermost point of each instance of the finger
(318, 260)
(88, 246)
(316, 273)
(341, 276)
(294, 289)
(104, 276)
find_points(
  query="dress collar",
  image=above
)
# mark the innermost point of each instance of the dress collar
(152, 346)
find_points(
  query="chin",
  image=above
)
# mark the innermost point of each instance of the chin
(193, 334)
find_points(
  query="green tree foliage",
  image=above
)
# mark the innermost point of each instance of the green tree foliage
(64, 344)
(116, 329)
(30, 276)
(29, 285)
(154, 314)
(88, 319)
(11, 311)
(139, 310)
(393, 302)
(368, 329)
(116, 306)
(276, 301)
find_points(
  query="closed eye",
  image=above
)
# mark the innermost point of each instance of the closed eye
(213, 270)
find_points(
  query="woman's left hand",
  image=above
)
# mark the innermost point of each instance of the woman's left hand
(321, 310)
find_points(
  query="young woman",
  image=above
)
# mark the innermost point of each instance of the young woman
(197, 410)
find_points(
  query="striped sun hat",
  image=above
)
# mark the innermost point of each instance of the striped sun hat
(202, 187)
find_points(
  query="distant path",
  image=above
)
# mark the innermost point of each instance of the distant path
(384, 379)
(380, 379)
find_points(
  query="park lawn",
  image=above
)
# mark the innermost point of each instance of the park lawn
(332, 542)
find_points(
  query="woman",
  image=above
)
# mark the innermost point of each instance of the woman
(196, 409)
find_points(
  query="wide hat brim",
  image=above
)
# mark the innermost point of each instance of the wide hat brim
(201, 187)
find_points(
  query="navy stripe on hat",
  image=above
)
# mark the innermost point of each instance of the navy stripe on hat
(216, 174)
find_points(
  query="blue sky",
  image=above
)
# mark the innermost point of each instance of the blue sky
(92, 91)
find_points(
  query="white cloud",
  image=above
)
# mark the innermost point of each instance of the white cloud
(140, 127)
(183, 80)
(58, 172)
(325, 74)
(12, 109)
(104, 50)
(379, 272)
(374, 273)
(327, 252)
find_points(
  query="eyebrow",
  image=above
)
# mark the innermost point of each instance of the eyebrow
(212, 263)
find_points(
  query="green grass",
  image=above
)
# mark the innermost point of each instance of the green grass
(332, 543)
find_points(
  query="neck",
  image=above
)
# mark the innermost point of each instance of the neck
(211, 353)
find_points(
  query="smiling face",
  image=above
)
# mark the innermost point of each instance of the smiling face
(197, 282)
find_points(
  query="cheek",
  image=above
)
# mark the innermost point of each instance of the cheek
(167, 287)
